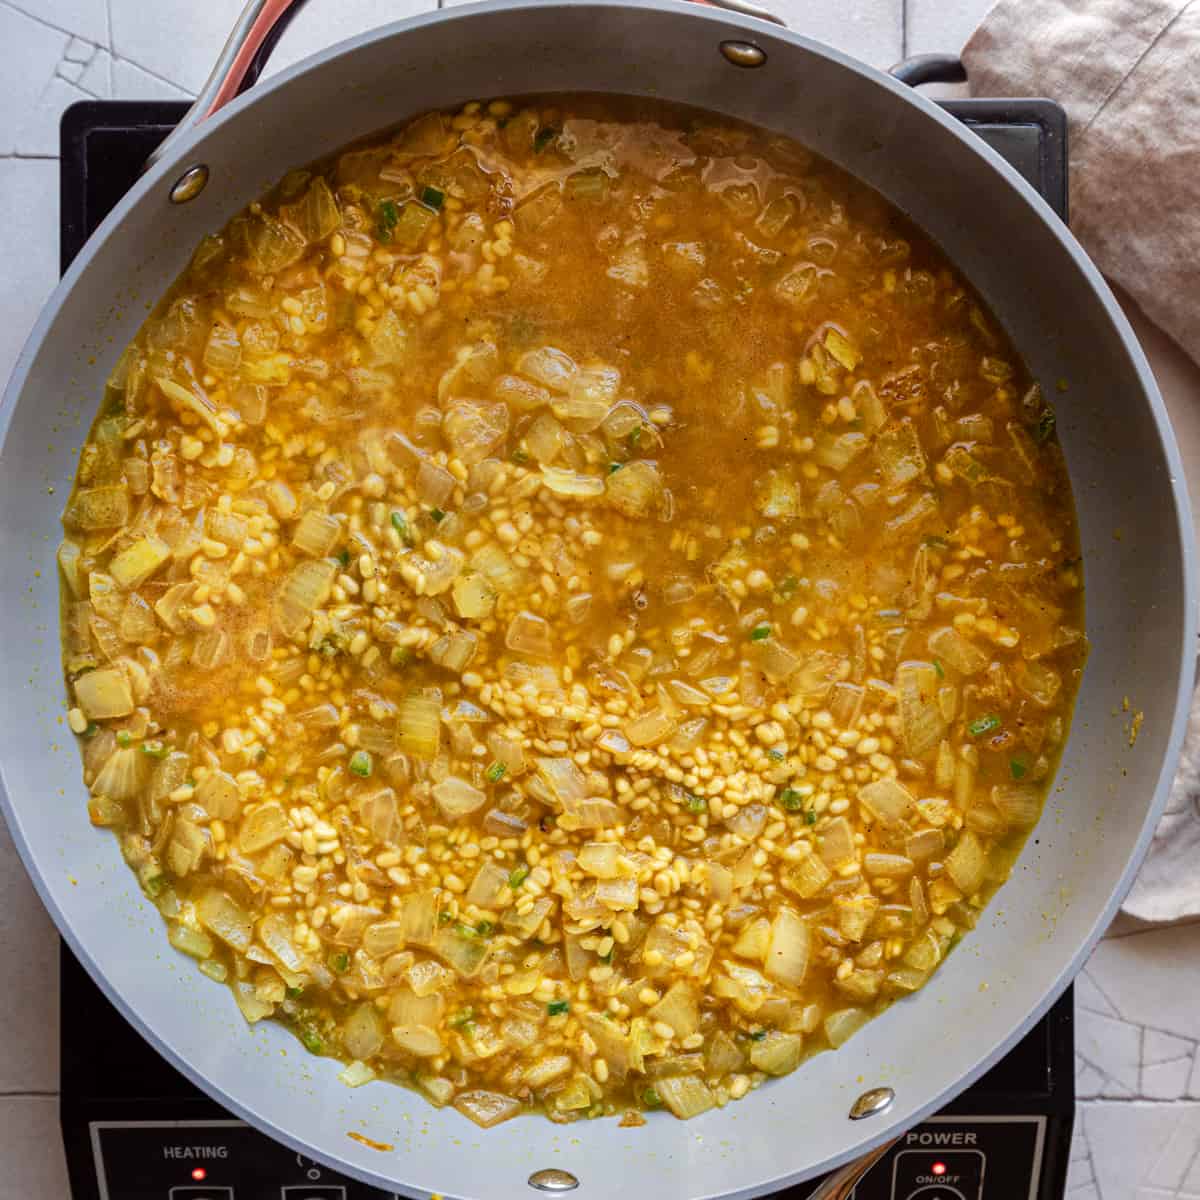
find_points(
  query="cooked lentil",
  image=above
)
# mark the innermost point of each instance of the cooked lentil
(570, 605)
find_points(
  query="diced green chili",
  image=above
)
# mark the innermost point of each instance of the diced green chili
(760, 632)
(495, 772)
(386, 219)
(982, 725)
(433, 198)
(556, 1008)
(517, 876)
(361, 764)
(791, 800)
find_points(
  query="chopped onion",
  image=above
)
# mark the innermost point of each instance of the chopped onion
(219, 795)
(465, 954)
(138, 561)
(777, 496)
(529, 634)
(473, 597)
(190, 941)
(842, 1025)
(435, 485)
(419, 722)
(635, 490)
(898, 451)
(788, 951)
(571, 483)
(650, 728)
(96, 508)
(304, 590)
(454, 651)
(489, 886)
(356, 1074)
(966, 864)
(600, 859)
(836, 843)
(457, 798)
(956, 651)
(122, 776)
(774, 659)
(891, 866)
(808, 877)
(316, 533)
(679, 1008)
(104, 693)
(417, 1039)
(838, 451)
(778, 1053)
(591, 393)
(887, 801)
(685, 1095)
(618, 894)
(508, 752)
(218, 913)
(419, 917)
(494, 564)
(564, 779)
(263, 827)
(524, 925)
(748, 821)
(486, 1108)
(1019, 802)
(475, 428)
(1037, 681)
(921, 723)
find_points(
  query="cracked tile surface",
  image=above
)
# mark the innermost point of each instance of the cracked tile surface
(1138, 1073)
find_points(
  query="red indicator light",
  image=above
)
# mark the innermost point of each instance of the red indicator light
(199, 1174)
(939, 1168)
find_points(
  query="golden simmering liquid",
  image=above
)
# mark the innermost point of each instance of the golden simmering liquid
(573, 605)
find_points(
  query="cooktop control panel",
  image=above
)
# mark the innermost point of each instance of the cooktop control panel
(947, 1158)
(961, 1158)
(209, 1160)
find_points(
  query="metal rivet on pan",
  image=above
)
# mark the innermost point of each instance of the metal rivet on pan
(743, 54)
(552, 1179)
(190, 184)
(872, 1103)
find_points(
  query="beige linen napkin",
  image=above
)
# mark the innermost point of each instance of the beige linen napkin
(1128, 74)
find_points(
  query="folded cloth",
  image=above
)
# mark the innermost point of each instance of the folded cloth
(1168, 885)
(1128, 74)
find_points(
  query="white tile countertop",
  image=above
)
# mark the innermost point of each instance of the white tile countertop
(1138, 1022)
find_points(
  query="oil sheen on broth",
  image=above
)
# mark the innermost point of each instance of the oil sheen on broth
(572, 606)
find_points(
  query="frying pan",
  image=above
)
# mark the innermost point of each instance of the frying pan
(1137, 545)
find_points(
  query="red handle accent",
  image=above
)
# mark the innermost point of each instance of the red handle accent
(231, 85)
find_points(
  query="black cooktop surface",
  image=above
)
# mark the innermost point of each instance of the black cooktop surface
(136, 1129)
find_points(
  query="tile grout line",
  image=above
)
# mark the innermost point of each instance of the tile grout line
(903, 29)
(13, 7)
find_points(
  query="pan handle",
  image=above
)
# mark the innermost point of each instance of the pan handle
(255, 35)
(841, 1184)
(239, 64)
(929, 68)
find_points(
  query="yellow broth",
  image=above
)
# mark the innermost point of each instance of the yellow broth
(572, 605)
